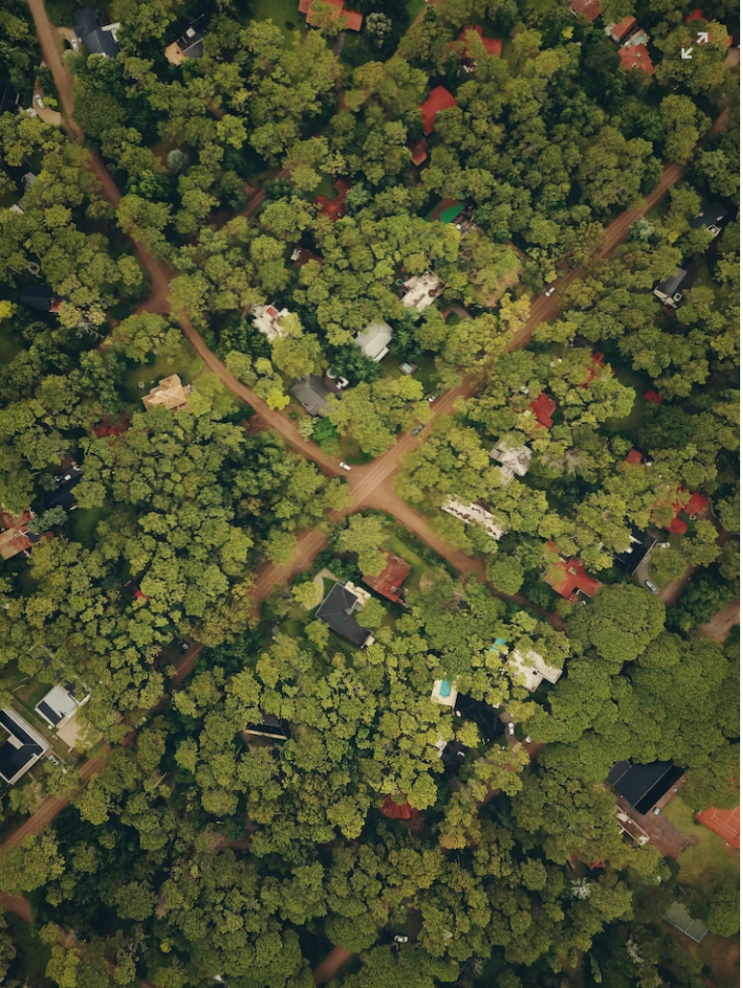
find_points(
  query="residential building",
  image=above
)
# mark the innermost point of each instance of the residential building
(190, 44)
(586, 8)
(712, 217)
(390, 580)
(438, 100)
(267, 320)
(335, 209)
(60, 705)
(474, 514)
(514, 460)
(643, 785)
(493, 46)
(300, 256)
(421, 291)
(398, 808)
(15, 536)
(483, 714)
(271, 727)
(353, 19)
(170, 393)
(597, 364)
(725, 823)
(98, 38)
(444, 692)
(568, 577)
(337, 612)
(418, 151)
(670, 291)
(29, 179)
(9, 98)
(373, 341)
(641, 543)
(61, 496)
(312, 393)
(543, 409)
(619, 31)
(532, 670)
(22, 748)
(39, 298)
(693, 508)
(636, 57)
(632, 828)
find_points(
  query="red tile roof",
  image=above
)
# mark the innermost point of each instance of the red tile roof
(544, 408)
(725, 823)
(418, 150)
(353, 18)
(398, 811)
(677, 527)
(695, 15)
(570, 577)
(634, 456)
(637, 57)
(597, 363)
(622, 28)
(696, 504)
(390, 580)
(439, 99)
(335, 208)
(654, 396)
(493, 46)
(589, 8)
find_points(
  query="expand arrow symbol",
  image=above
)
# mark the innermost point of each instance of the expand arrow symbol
(686, 52)
(702, 38)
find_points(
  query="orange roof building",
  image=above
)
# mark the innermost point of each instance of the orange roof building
(568, 577)
(398, 811)
(544, 408)
(170, 393)
(418, 150)
(493, 46)
(439, 99)
(621, 29)
(725, 823)
(597, 364)
(586, 8)
(634, 457)
(14, 537)
(654, 396)
(390, 580)
(637, 57)
(353, 18)
(335, 208)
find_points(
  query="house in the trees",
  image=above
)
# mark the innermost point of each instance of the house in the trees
(374, 340)
(712, 217)
(444, 692)
(634, 54)
(40, 298)
(190, 44)
(301, 255)
(636, 458)
(725, 823)
(543, 408)
(586, 8)
(642, 786)
(29, 179)
(97, 38)
(337, 612)
(493, 46)
(418, 151)
(513, 460)
(271, 727)
(641, 543)
(421, 291)
(397, 807)
(694, 507)
(335, 208)
(619, 31)
(267, 319)
(61, 495)
(438, 100)
(483, 714)
(22, 747)
(568, 577)
(170, 393)
(531, 670)
(14, 534)
(671, 290)
(312, 394)
(352, 18)
(9, 98)
(474, 514)
(390, 580)
(59, 709)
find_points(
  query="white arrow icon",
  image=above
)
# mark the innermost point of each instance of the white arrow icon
(686, 52)
(702, 38)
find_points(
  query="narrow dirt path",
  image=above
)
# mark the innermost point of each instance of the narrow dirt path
(326, 970)
(718, 628)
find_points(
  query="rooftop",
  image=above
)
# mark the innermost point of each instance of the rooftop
(643, 785)
(353, 18)
(14, 536)
(22, 748)
(418, 150)
(99, 39)
(422, 291)
(493, 46)
(334, 208)
(637, 57)
(312, 394)
(59, 705)
(474, 513)
(267, 320)
(438, 100)
(621, 29)
(568, 577)
(533, 670)
(390, 580)
(170, 393)
(189, 45)
(374, 339)
(337, 609)
(544, 408)
(587, 8)
(514, 460)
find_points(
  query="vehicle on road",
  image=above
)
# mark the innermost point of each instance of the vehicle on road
(651, 586)
(510, 728)
(343, 465)
(431, 399)
(38, 100)
(418, 429)
(550, 291)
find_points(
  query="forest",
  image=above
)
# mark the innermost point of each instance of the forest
(369, 494)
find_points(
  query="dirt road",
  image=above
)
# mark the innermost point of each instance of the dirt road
(326, 970)
(719, 627)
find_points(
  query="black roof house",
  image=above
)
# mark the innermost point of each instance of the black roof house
(272, 727)
(9, 98)
(482, 713)
(712, 217)
(312, 392)
(670, 291)
(643, 785)
(97, 38)
(38, 297)
(336, 611)
(62, 496)
(640, 546)
(22, 749)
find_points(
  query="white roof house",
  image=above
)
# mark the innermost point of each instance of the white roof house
(60, 705)
(470, 513)
(422, 291)
(514, 461)
(532, 669)
(267, 320)
(444, 692)
(374, 340)
(20, 746)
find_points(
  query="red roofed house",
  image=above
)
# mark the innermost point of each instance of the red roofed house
(725, 823)
(398, 811)
(617, 32)
(493, 46)
(695, 15)
(439, 99)
(637, 57)
(544, 409)
(352, 17)
(418, 150)
(588, 8)
(390, 580)
(694, 506)
(335, 208)
(633, 457)
(654, 396)
(597, 363)
(568, 577)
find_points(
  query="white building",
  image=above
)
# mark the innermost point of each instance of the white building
(470, 513)
(422, 291)
(267, 320)
(514, 461)
(532, 670)
(21, 748)
(374, 340)
(59, 709)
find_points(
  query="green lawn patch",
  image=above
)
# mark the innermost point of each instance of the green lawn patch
(397, 544)
(283, 13)
(83, 524)
(139, 379)
(701, 864)
(414, 8)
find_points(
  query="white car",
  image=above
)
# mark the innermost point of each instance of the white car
(344, 466)
(651, 586)
(550, 291)
(431, 399)
(510, 728)
(38, 100)
(401, 939)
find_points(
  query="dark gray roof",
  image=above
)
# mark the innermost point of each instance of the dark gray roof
(335, 611)
(482, 713)
(642, 543)
(14, 759)
(672, 285)
(712, 214)
(311, 392)
(36, 297)
(89, 31)
(643, 785)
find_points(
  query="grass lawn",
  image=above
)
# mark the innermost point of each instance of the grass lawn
(629, 425)
(83, 524)
(701, 864)
(414, 7)
(185, 363)
(325, 188)
(283, 13)
(396, 544)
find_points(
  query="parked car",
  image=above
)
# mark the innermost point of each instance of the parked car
(343, 465)
(431, 399)
(510, 728)
(183, 643)
(401, 939)
(38, 100)
(418, 428)
(550, 291)
(651, 586)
